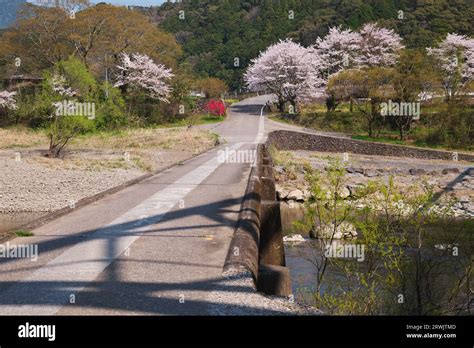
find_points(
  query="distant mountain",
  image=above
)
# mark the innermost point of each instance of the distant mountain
(8, 9)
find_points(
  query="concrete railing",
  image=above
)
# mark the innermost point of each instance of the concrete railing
(257, 245)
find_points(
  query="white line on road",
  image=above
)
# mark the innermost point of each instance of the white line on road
(261, 127)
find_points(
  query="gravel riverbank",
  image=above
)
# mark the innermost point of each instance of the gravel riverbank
(30, 182)
(451, 181)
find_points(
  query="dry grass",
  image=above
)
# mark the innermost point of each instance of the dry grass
(141, 146)
(293, 165)
(148, 138)
(133, 139)
(281, 158)
(94, 163)
(139, 149)
(21, 138)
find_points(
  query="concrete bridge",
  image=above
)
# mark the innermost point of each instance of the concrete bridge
(157, 247)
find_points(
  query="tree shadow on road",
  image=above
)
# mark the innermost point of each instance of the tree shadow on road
(110, 294)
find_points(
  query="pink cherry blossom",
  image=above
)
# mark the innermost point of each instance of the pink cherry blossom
(140, 71)
(7, 101)
(377, 46)
(455, 58)
(294, 72)
(286, 69)
(337, 51)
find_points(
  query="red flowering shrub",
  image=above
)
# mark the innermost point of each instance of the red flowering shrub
(216, 107)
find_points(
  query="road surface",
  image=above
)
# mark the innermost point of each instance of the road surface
(156, 248)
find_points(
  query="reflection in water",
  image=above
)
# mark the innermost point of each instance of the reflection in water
(300, 259)
(299, 256)
(435, 277)
(290, 213)
(303, 272)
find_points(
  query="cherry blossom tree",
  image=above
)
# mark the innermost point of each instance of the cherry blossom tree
(377, 46)
(60, 86)
(286, 69)
(139, 70)
(295, 73)
(338, 50)
(343, 49)
(455, 59)
(7, 101)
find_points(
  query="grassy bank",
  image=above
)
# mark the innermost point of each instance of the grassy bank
(438, 127)
(139, 148)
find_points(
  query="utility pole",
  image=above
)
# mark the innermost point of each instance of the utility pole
(106, 78)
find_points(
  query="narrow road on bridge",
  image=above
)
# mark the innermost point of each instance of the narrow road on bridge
(157, 247)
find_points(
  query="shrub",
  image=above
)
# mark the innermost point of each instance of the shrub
(71, 83)
(452, 129)
(400, 231)
(63, 129)
(78, 77)
(111, 111)
(216, 107)
(212, 87)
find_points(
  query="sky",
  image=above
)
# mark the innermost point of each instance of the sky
(132, 2)
(128, 2)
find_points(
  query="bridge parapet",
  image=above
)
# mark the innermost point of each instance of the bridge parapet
(257, 245)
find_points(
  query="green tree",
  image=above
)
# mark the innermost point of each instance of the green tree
(111, 110)
(69, 84)
(367, 88)
(212, 87)
(410, 262)
(413, 78)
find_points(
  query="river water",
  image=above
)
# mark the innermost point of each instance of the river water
(300, 257)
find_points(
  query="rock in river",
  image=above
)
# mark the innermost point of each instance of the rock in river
(296, 195)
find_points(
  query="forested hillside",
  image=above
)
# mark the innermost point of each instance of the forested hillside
(214, 33)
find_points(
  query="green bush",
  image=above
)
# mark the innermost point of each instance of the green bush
(453, 129)
(63, 128)
(401, 234)
(78, 78)
(111, 110)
